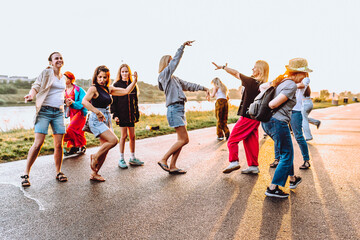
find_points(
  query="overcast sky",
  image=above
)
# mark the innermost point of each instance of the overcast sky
(90, 33)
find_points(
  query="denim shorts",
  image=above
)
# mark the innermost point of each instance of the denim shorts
(176, 115)
(49, 115)
(97, 127)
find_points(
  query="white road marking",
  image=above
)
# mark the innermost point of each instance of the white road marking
(41, 206)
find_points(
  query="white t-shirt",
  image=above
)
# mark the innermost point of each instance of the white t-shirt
(300, 94)
(219, 94)
(55, 97)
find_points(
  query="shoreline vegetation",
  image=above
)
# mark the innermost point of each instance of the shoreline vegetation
(148, 94)
(15, 144)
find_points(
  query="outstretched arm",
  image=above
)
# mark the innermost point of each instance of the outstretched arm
(176, 60)
(117, 91)
(214, 92)
(228, 70)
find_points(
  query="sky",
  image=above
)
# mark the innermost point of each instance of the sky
(139, 32)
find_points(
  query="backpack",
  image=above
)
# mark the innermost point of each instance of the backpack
(259, 109)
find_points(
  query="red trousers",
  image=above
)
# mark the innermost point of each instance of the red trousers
(245, 129)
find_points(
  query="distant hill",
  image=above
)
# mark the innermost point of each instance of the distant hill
(151, 93)
(148, 93)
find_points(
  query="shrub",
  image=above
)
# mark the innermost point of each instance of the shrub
(317, 99)
(8, 89)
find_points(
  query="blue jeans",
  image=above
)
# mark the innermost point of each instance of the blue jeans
(296, 125)
(306, 109)
(280, 133)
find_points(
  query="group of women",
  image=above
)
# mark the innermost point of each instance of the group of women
(57, 95)
(49, 90)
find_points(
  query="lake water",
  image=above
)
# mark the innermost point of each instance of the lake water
(23, 116)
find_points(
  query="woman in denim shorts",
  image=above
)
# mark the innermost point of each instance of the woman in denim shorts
(174, 89)
(97, 100)
(49, 91)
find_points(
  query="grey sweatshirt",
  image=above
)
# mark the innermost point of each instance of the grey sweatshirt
(173, 86)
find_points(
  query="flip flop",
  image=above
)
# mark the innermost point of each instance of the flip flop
(177, 171)
(97, 178)
(164, 166)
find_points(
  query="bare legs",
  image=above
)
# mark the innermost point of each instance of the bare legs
(36, 147)
(108, 140)
(124, 134)
(175, 149)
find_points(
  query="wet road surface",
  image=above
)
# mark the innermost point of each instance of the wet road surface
(147, 203)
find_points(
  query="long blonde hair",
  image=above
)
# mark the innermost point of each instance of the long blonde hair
(218, 83)
(164, 61)
(264, 71)
(118, 76)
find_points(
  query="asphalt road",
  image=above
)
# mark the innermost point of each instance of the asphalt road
(148, 203)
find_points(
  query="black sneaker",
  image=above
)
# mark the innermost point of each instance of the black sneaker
(295, 183)
(277, 192)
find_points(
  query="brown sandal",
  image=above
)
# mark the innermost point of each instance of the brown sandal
(61, 177)
(97, 178)
(25, 182)
(275, 163)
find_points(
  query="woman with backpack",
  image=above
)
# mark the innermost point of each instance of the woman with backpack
(277, 128)
(246, 129)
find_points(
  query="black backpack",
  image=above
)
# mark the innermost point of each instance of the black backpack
(259, 109)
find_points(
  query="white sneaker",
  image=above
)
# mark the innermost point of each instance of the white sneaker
(232, 167)
(251, 169)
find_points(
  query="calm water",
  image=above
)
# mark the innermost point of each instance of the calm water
(22, 117)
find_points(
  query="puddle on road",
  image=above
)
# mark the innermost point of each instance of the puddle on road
(27, 195)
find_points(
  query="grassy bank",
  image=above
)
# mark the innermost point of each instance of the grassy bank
(14, 145)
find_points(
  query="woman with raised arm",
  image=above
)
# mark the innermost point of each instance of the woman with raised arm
(97, 100)
(221, 93)
(174, 89)
(277, 128)
(49, 91)
(246, 129)
(125, 112)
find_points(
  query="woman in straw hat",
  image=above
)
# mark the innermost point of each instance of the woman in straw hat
(296, 126)
(277, 128)
(246, 129)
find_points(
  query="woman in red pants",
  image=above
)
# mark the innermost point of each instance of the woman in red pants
(246, 129)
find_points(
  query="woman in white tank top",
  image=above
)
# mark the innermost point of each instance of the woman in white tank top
(220, 91)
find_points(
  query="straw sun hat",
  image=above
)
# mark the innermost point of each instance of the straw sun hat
(298, 65)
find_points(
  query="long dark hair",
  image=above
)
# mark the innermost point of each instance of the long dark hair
(99, 69)
(307, 92)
